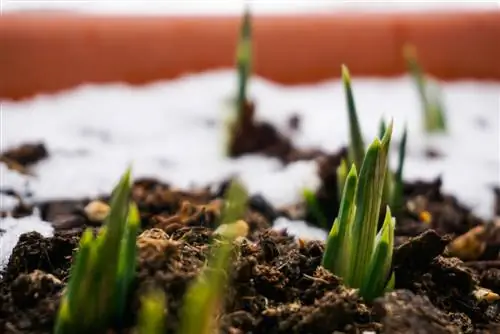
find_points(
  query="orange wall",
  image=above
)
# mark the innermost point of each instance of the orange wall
(48, 52)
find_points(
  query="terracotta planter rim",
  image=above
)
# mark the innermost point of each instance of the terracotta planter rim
(46, 51)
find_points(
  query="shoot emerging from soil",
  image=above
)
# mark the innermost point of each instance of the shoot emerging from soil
(205, 297)
(244, 60)
(152, 314)
(244, 69)
(103, 269)
(429, 92)
(354, 250)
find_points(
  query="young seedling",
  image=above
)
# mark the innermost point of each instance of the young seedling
(397, 200)
(354, 250)
(393, 185)
(152, 314)
(430, 96)
(244, 69)
(244, 60)
(204, 298)
(103, 269)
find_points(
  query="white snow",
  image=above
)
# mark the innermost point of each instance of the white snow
(15, 228)
(173, 131)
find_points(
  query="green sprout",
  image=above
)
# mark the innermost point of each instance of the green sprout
(397, 192)
(103, 269)
(313, 207)
(244, 60)
(393, 185)
(357, 147)
(429, 92)
(152, 313)
(244, 70)
(204, 297)
(235, 203)
(354, 250)
(389, 177)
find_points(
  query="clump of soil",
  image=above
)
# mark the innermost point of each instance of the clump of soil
(249, 136)
(277, 283)
(23, 156)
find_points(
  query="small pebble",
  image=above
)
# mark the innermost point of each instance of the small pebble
(96, 211)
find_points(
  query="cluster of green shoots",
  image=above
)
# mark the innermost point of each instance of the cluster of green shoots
(204, 298)
(429, 92)
(393, 184)
(354, 249)
(103, 270)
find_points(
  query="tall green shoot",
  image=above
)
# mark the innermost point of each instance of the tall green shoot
(244, 61)
(434, 118)
(356, 148)
(397, 195)
(205, 296)
(152, 314)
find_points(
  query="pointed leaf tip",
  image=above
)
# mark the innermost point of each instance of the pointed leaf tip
(346, 76)
(353, 171)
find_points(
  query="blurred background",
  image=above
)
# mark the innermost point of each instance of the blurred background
(177, 7)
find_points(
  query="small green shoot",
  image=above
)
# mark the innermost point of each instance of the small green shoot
(313, 207)
(235, 203)
(393, 187)
(430, 96)
(244, 69)
(354, 250)
(152, 314)
(389, 177)
(356, 146)
(244, 60)
(204, 298)
(103, 269)
(397, 195)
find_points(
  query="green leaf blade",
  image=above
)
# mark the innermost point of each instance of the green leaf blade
(244, 60)
(397, 197)
(346, 213)
(375, 281)
(357, 146)
(152, 313)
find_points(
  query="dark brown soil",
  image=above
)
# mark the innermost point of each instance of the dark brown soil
(252, 137)
(24, 155)
(277, 285)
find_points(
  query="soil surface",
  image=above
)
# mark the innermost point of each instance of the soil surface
(277, 283)
(21, 157)
(249, 136)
